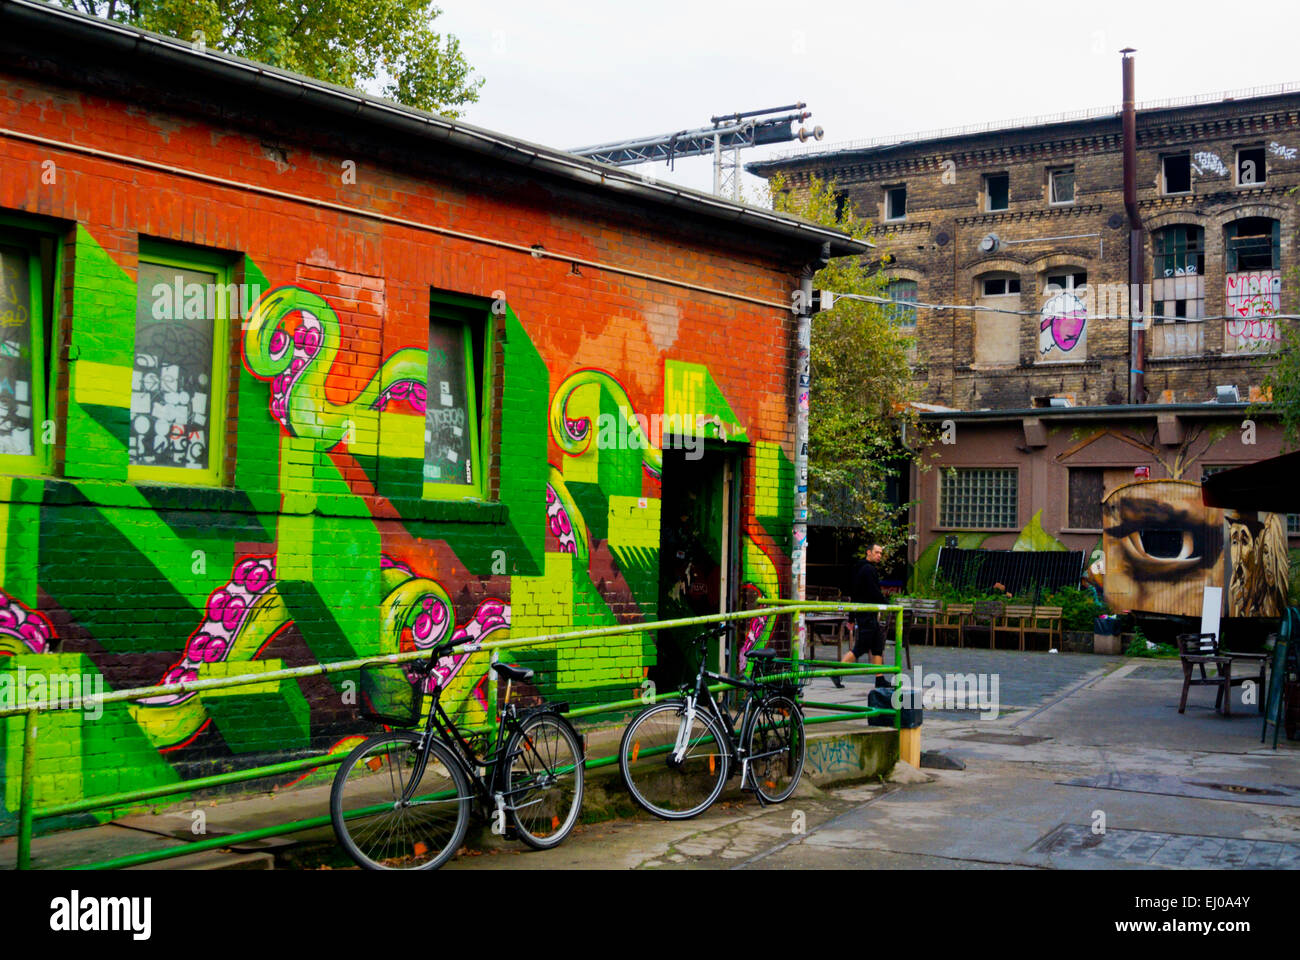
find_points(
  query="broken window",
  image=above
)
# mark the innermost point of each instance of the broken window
(1060, 185)
(1252, 244)
(895, 203)
(1178, 287)
(1251, 166)
(1176, 173)
(997, 191)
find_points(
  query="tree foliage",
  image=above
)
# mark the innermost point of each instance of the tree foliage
(860, 380)
(388, 47)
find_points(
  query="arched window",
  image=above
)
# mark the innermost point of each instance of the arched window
(1063, 317)
(997, 325)
(1178, 285)
(901, 314)
(1252, 285)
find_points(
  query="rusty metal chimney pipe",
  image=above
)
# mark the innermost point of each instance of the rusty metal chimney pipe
(1136, 240)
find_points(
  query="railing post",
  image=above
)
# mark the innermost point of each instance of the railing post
(27, 791)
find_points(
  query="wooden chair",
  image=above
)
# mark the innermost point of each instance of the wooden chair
(1013, 622)
(983, 618)
(953, 618)
(1201, 650)
(1047, 621)
(923, 614)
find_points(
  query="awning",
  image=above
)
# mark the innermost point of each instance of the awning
(1272, 485)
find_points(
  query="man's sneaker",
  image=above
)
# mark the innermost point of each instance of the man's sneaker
(883, 681)
(839, 683)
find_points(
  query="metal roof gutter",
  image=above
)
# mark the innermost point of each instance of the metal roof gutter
(26, 18)
(1124, 411)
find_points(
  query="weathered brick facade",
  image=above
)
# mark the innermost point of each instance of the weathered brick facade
(993, 369)
(937, 245)
(310, 532)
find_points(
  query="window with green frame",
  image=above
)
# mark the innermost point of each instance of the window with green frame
(28, 266)
(457, 423)
(178, 383)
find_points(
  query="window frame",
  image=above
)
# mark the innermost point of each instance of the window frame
(26, 234)
(1051, 186)
(947, 473)
(1164, 179)
(988, 194)
(1236, 166)
(889, 192)
(179, 256)
(448, 307)
(898, 311)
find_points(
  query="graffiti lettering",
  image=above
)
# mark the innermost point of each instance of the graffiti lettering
(1253, 299)
(1209, 162)
(1286, 153)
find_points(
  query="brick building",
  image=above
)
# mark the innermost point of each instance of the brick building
(1018, 234)
(294, 375)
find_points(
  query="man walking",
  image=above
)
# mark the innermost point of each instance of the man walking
(866, 589)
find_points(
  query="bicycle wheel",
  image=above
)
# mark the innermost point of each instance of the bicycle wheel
(669, 789)
(775, 746)
(376, 828)
(544, 774)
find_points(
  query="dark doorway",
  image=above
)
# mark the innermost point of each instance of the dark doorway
(699, 569)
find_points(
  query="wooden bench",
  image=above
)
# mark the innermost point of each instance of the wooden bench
(1014, 618)
(1046, 621)
(1202, 650)
(923, 614)
(982, 620)
(953, 618)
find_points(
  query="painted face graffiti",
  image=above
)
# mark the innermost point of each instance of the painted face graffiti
(1064, 318)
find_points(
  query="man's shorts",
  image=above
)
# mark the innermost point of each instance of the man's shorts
(870, 638)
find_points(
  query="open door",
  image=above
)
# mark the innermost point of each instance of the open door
(699, 556)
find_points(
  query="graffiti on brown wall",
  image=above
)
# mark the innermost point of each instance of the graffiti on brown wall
(1259, 564)
(1162, 545)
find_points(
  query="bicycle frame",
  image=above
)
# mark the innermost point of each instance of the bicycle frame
(755, 695)
(489, 790)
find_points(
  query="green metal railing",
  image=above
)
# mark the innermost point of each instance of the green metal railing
(28, 813)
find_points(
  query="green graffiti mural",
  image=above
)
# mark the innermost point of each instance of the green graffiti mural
(322, 545)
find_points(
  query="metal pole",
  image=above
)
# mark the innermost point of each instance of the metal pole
(803, 381)
(27, 792)
(717, 164)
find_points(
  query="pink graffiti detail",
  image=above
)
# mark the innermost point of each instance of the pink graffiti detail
(558, 519)
(306, 345)
(1066, 329)
(28, 627)
(226, 614)
(577, 428)
(492, 615)
(1254, 298)
(410, 392)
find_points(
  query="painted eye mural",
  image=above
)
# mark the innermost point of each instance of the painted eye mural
(1162, 546)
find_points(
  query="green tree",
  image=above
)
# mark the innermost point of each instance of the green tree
(860, 380)
(388, 47)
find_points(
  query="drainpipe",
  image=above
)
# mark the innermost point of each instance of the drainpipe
(1137, 324)
(803, 382)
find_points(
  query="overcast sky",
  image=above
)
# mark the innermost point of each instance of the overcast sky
(575, 72)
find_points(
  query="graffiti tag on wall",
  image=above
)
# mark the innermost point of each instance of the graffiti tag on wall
(1253, 299)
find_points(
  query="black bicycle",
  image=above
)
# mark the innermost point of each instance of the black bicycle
(676, 755)
(402, 800)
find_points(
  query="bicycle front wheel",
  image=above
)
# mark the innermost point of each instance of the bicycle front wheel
(544, 774)
(775, 747)
(669, 788)
(382, 831)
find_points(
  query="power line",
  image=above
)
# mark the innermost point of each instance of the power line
(917, 305)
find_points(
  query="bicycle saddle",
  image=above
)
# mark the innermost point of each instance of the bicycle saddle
(764, 654)
(517, 674)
